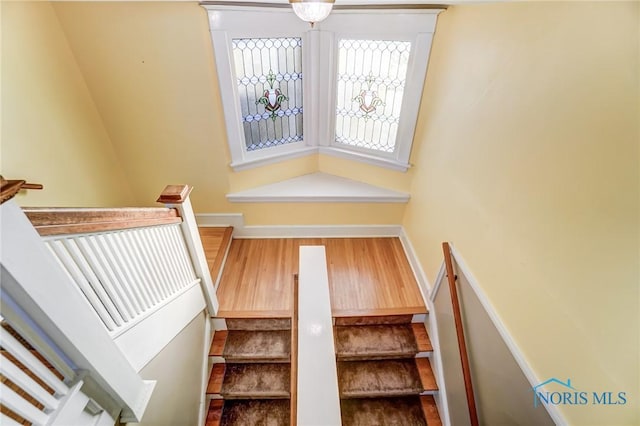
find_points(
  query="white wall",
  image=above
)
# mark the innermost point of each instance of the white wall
(178, 371)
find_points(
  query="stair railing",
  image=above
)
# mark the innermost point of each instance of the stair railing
(462, 346)
(128, 262)
(76, 281)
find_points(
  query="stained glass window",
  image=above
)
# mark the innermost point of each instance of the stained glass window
(370, 86)
(269, 78)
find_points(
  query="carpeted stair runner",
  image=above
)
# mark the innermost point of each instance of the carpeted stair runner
(258, 324)
(382, 411)
(253, 385)
(258, 346)
(379, 377)
(256, 381)
(363, 379)
(256, 412)
(375, 342)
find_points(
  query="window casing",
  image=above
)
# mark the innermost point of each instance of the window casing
(350, 87)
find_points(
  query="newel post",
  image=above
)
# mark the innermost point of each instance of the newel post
(177, 196)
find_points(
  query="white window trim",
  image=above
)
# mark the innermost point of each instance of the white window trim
(319, 75)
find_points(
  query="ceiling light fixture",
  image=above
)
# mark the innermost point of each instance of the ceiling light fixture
(312, 11)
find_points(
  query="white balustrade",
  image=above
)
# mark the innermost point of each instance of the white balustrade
(34, 390)
(126, 275)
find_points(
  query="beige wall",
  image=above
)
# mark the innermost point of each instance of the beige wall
(528, 163)
(151, 71)
(51, 131)
(178, 372)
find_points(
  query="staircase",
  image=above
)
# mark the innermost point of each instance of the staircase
(384, 373)
(250, 381)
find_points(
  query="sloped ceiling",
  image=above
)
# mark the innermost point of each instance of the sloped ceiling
(150, 69)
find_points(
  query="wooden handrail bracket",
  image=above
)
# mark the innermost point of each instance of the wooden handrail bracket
(9, 188)
(457, 317)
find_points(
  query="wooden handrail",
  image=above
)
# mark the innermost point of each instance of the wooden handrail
(9, 188)
(63, 221)
(457, 317)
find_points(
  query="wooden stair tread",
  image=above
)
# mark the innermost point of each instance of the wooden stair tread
(214, 415)
(375, 342)
(256, 412)
(218, 342)
(427, 377)
(405, 411)
(422, 337)
(360, 379)
(216, 378)
(258, 346)
(256, 381)
(430, 410)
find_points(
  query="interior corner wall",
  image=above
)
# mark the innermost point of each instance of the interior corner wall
(527, 160)
(52, 132)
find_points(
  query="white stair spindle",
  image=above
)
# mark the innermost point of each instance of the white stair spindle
(26, 383)
(22, 407)
(22, 354)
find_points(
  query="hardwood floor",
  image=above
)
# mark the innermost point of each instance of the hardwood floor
(367, 276)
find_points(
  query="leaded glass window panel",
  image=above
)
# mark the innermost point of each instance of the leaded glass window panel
(269, 78)
(370, 86)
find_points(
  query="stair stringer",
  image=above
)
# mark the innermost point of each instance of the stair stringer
(430, 321)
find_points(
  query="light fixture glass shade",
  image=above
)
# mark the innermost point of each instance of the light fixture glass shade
(312, 10)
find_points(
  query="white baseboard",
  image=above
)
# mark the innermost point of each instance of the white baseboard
(240, 230)
(317, 231)
(204, 405)
(220, 219)
(416, 267)
(436, 362)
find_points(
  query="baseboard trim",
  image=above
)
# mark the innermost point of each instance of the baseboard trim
(220, 219)
(204, 404)
(533, 379)
(416, 267)
(431, 323)
(318, 231)
(240, 230)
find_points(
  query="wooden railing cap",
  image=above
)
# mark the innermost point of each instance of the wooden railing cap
(174, 194)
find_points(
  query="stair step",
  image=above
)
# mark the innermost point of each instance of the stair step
(375, 342)
(362, 379)
(374, 320)
(427, 377)
(218, 342)
(430, 410)
(256, 381)
(256, 412)
(405, 411)
(258, 346)
(422, 337)
(214, 415)
(258, 323)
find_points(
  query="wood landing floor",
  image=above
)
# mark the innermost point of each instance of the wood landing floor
(367, 276)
